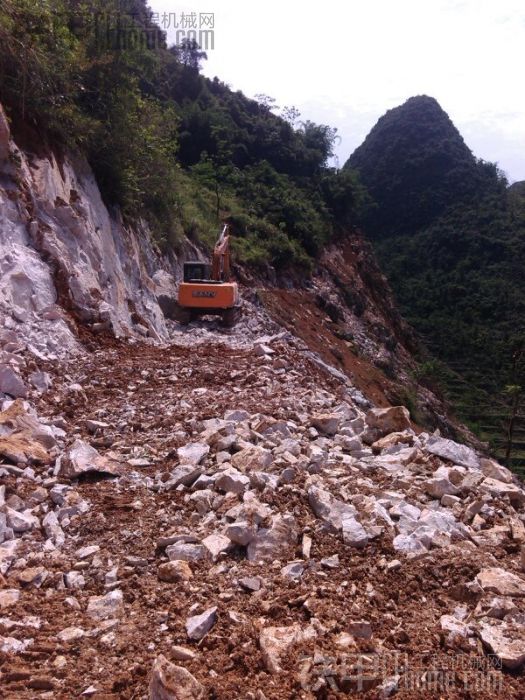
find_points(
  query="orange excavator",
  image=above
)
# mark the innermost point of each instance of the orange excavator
(207, 290)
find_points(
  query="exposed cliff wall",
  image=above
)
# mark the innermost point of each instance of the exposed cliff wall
(65, 257)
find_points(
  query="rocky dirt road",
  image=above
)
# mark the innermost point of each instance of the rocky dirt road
(223, 519)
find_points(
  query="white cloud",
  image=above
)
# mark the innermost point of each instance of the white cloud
(346, 63)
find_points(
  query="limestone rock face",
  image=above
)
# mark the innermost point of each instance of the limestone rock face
(69, 250)
(5, 135)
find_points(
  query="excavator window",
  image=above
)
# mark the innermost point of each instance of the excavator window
(196, 272)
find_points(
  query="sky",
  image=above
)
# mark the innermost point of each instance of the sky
(344, 63)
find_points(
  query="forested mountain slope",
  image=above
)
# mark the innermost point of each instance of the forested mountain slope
(450, 235)
(166, 143)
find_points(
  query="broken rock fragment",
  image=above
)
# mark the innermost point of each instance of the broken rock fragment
(52, 529)
(453, 451)
(199, 625)
(332, 511)
(252, 458)
(492, 469)
(393, 419)
(326, 423)
(501, 582)
(21, 521)
(8, 597)
(170, 682)
(354, 533)
(185, 474)
(82, 459)
(11, 383)
(275, 542)
(506, 640)
(174, 571)
(193, 453)
(274, 641)
(241, 532)
(102, 607)
(216, 544)
(232, 481)
(186, 551)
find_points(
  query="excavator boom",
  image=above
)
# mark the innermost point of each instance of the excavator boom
(221, 257)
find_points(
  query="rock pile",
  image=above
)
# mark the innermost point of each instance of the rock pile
(182, 521)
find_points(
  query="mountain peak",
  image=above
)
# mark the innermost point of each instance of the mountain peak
(415, 162)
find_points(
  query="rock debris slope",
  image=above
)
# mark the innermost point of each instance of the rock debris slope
(223, 517)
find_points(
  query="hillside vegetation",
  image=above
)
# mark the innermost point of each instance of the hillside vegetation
(450, 235)
(166, 143)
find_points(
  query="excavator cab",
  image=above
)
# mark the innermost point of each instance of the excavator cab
(207, 290)
(196, 272)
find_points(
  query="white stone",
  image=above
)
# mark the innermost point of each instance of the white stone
(86, 552)
(185, 551)
(492, 469)
(440, 486)
(170, 682)
(52, 529)
(185, 474)
(393, 419)
(8, 597)
(198, 626)
(500, 489)
(502, 582)
(82, 458)
(105, 606)
(252, 458)
(10, 645)
(236, 415)
(217, 544)
(410, 544)
(275, 641)
(74, 580)
(232, 481)
(326, 423)
(70, 634)
(21, 521)
(275, 542)
(507, 641)
(453, 451)
(241, 532)
(354, 533)
(11, 383)
(329, 509)
(193, 453)
(40, 380)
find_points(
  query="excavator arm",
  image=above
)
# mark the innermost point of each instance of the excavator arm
(220, 270)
